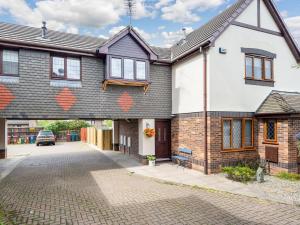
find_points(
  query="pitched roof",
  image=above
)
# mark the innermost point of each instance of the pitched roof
(128, 30)
(208, 33)
(31, 36)
(211, 30)
(279, 102)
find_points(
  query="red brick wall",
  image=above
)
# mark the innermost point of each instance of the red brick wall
(188, 131)
(130, 129)
(287, 145)
(216, 156)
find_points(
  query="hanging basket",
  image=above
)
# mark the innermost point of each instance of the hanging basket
(149, 132)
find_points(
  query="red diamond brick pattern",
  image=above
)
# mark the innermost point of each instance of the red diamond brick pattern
(6, 97)
(66, 99)
(125, 102)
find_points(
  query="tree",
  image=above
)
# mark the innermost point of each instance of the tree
(62, 125)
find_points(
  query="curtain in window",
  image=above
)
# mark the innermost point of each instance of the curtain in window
(58, 65)
(257, 68)
(248, 134)
(73, 68)
(226, 134)
(128, 69)
(10, 62)
(116, 67)
(236, 134)
(140, 70)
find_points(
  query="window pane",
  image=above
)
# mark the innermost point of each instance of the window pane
(140, 70)
(73, 68)
(249, 68)
(58, 67)
(226, 134)
(270, 132)
(10, 62)
(257, 68)
(116, 67)
(236, 133)
(128, 69)
(268, 69)
(248, 133)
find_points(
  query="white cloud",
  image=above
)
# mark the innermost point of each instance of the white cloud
(70, 14)
(184, 11)
(172, 37)
(294, 25)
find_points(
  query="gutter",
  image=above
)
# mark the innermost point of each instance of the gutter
(205, 110)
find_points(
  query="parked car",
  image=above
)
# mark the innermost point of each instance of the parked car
(45, 137)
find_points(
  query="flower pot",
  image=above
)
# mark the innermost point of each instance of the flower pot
(151, 163)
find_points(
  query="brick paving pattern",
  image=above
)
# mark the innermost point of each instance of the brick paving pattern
(72, 184)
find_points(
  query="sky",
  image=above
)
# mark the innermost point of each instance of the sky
(160, 22)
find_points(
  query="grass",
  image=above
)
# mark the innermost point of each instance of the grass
(288, 176)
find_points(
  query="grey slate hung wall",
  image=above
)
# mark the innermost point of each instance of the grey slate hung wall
(33, 97)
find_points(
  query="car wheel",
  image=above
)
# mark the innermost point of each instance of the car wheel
(37, 144)
(53, 143)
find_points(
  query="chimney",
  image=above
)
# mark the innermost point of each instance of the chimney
(44, 30)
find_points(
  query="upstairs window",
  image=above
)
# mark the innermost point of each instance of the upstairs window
(127, 69)
(237, 134)
(10, 63)
(66, 68)
(259, 68)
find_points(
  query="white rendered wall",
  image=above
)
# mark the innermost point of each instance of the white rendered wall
(266, 19)
(187, 85)
(249, 16)
(146, 144)
(227, 88)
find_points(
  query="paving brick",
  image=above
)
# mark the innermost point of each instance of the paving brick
(73, 184)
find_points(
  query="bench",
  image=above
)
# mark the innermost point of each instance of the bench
(183, 159)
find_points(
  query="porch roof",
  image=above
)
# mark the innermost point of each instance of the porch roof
(280, 102)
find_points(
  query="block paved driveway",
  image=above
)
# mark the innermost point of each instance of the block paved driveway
(73, 184)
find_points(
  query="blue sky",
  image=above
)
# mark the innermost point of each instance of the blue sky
(159, 21)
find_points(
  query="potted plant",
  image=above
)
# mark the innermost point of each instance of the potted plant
(149, 132)
(151, 160)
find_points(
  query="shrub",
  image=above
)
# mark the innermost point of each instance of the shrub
(288, 176)
(151, 158)
(58, 126)
(240, 173)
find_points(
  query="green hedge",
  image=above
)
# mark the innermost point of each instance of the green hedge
(240, 173)
(59, 125)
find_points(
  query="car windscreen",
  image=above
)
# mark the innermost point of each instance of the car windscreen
(46, 133)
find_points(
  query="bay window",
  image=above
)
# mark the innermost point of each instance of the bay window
(237, 134)
(127, 69)
(10, 63)
(258, 68)
(66, 68)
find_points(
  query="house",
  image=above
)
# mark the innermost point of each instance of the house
(229, 91)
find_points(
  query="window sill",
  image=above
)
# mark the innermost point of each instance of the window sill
(238, 150)
(268, 83)
(270, 143)
(65, 83)
(8, 79)
(131, 83)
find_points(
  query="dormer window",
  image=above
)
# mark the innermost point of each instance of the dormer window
(127, 68)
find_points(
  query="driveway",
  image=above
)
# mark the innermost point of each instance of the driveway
(74, 184)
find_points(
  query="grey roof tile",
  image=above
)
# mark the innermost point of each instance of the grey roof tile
(279, 102)
(31, 36)
(210, 30)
